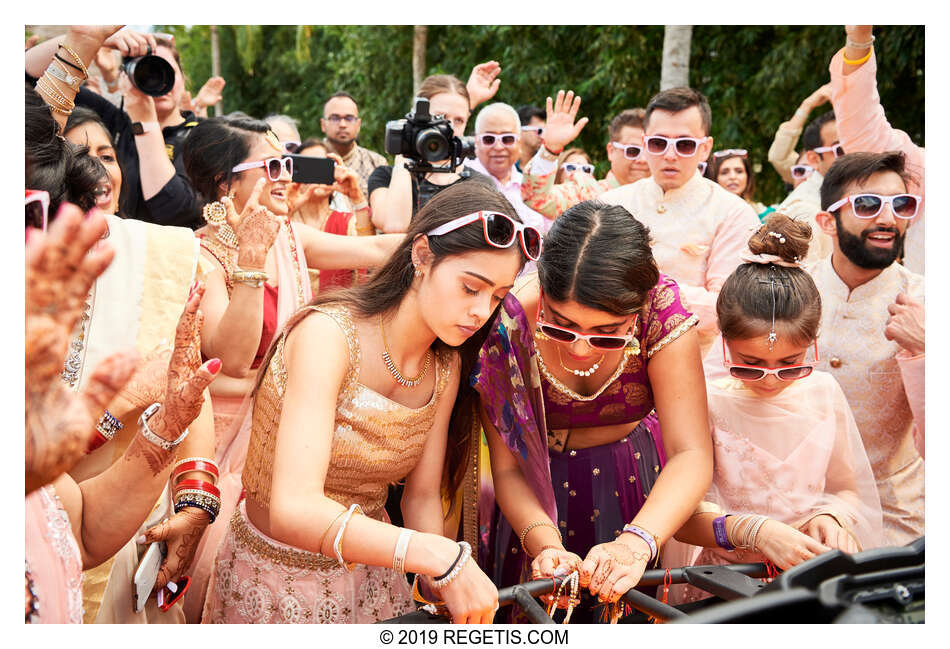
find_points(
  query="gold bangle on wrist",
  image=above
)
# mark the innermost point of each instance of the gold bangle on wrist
(75, 57)
(524, 533)
(255, 278)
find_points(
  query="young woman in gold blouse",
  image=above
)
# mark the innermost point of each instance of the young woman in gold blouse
(357, 393)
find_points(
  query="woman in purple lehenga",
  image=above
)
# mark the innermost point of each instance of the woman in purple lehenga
(590, 383)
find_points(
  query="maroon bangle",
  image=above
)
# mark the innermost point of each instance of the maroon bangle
(96, 442)
(200, 485)
(195, 465)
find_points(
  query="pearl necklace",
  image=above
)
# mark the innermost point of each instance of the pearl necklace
(391, 364)
(587, 372)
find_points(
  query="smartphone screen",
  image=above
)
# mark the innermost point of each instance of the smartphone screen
(312, 170)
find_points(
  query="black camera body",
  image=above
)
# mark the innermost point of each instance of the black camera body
(151, 74)
(424, 139)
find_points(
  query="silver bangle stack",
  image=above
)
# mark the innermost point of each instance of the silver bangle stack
(745, 531)
(465, 553)
(860, 46)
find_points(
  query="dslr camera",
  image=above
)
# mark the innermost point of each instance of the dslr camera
(424, 139)
(151, 74)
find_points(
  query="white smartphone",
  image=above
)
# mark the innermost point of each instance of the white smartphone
(146, 574)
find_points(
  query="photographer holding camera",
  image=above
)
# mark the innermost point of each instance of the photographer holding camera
(148, 129)
(395, 193)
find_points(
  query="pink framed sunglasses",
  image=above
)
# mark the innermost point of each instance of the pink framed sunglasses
(500, 231)
(37, 208)
(800, 171)
(837, 149)
(602, 342)
(757, 373)
(630, 151)
(274, 167)
(685, 147)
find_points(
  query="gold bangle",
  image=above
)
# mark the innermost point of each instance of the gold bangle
(75, 56)
(863, 59)
(323, 537)
(524, 532)
(45, 86)
(255, 278)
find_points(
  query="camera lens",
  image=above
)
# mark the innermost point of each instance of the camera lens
(432, 145)
(151, 74)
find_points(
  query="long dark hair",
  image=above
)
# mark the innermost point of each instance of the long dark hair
(82, 115)
(388, 286)
(54, 164)
(214, 147)
(745, 303)
(598, 255)
(712, 172)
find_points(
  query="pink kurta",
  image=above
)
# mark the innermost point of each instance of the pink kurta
(790, 457)
(862, 126)
(697, 232)
(52, 560)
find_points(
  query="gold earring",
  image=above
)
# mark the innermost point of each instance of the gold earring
(215, 213)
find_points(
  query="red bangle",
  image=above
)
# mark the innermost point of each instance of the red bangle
(200, 485)
(558, 152)
(96, 442)
(195, 465)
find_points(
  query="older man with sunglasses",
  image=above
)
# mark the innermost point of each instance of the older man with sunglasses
(624, 150)
(497, 136)
(872, 326)
(698, 228)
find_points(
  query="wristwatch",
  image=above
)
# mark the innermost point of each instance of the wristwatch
(152, 437)
(141, 128)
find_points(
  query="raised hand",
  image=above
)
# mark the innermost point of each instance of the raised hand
(483, 82)
(611, 569)
(61, 266)
(256, 228)
(345, 180)
(559, 126)
(210, 93)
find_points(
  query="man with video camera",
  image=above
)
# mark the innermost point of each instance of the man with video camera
(396, 193)
(148, 129)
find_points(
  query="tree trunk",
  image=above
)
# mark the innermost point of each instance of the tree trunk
(676, 41)
(216, 66)
(420, 32)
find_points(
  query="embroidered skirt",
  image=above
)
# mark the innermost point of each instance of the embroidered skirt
(258, 580)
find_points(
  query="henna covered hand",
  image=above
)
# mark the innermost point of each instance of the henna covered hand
(256, 228)
(181, 534)
(611, 569)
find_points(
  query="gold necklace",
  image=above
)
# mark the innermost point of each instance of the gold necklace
(391, 365)
(587, 372)
(560, 387)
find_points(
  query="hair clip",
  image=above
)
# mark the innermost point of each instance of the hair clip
(781, 238)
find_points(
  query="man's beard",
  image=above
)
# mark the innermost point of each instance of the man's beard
(856, 249)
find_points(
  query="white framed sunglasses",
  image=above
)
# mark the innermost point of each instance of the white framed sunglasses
(868, 206)
(489, 139)
(801, 171)
(274, 167)
(685, 147)
(630, 151)
(578, 166)
(836, 149)
(536, 129)
(500, 231)
(725, 153)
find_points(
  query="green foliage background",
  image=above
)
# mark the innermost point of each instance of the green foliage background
(754, 76)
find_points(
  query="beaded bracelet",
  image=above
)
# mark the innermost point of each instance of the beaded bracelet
(524, 532)
(201, 503)
(465, 553)
(81, 66)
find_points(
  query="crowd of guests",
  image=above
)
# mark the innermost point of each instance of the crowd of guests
(302, 393)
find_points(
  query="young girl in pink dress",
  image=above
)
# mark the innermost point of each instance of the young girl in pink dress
(792, 479)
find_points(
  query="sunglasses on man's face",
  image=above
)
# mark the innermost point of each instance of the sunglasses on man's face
(630, 151)
(274, 167)
(801, 171)
(489, 139)
(757, 373)
(836, 149)
(684, 146)
(867, 206)
(37, 209)
(577, 166)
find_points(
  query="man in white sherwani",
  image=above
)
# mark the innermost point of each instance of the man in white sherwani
(872, 326)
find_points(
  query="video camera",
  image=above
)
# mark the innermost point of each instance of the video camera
(425, 139)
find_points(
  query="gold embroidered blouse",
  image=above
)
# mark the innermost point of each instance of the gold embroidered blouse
(376, 441)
